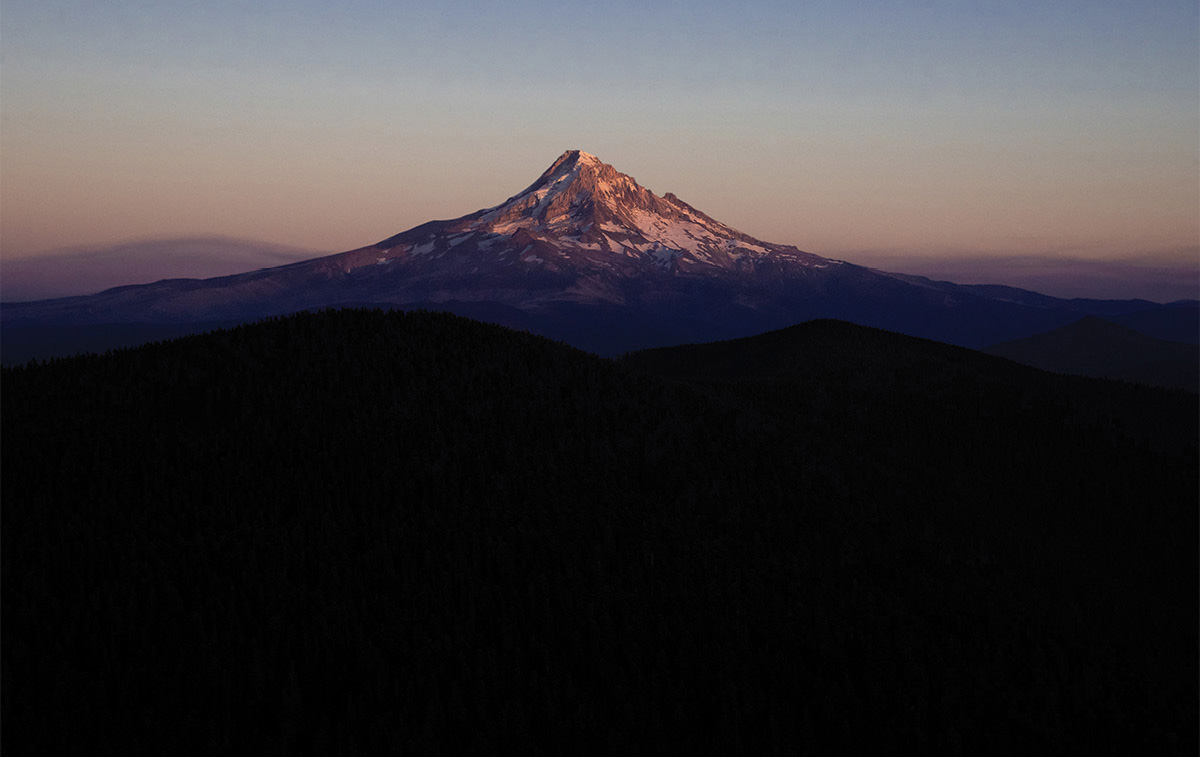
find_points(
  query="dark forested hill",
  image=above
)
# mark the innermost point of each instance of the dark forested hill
(1096, 347)
(361, 531)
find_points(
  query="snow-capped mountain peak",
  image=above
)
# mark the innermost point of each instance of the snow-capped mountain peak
(586, 254)
(583, 213)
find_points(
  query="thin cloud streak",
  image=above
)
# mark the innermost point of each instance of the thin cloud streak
(87, 270)
(1162, 276)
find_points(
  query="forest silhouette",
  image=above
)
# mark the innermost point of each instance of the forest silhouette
(363, 531)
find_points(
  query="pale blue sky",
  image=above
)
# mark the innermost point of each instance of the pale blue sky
(922, 128)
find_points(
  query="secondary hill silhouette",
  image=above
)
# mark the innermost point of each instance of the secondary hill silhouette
(1096, 347)
(363, 531)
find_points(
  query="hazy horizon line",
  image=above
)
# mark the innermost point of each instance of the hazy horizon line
(1155, 275)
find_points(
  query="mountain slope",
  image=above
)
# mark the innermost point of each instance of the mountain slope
(585, 242)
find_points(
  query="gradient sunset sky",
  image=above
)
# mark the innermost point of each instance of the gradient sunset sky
(866, 131)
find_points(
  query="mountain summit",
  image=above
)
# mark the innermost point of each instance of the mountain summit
(586, 255)
(582, 213)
